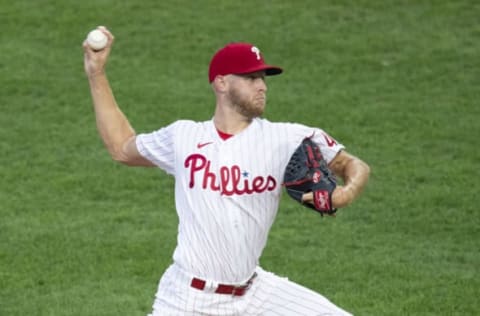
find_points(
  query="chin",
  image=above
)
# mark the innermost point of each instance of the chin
(256, 114)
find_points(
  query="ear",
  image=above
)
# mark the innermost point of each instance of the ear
(219, 83)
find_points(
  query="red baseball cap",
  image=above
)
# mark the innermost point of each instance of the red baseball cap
(237, 59)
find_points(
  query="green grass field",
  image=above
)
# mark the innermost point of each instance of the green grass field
(397, 82)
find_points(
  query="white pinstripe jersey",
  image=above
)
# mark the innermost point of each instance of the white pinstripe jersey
(226, 191)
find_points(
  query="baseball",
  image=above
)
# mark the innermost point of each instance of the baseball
(97, 40)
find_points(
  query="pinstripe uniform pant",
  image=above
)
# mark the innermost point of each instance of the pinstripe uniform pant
(269, 295)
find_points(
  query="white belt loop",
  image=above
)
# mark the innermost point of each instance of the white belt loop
(210, 286)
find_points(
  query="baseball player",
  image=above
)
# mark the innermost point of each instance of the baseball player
(228, 180)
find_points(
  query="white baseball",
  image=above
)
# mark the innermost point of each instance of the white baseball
(97, 40)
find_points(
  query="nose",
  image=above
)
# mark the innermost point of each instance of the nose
(262, 85)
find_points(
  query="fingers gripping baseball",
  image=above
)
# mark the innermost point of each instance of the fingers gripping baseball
(96, 60)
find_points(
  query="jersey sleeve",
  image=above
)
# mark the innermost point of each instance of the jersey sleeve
(329, 146)
(159, 147)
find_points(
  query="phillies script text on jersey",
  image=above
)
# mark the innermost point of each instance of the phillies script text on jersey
(230, 181)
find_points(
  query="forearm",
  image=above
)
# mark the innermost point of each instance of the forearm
(113, 126)
(355, 174)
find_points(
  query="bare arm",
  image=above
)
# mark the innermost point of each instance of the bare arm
(113, 126)
(354, 173)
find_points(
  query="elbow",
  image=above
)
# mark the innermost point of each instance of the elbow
(127, 161)
(359, 165)
(359, 171)
(119, 151)
(366, 174)
(119, 157)
(118, 154)
(127, 154)
(367, 169)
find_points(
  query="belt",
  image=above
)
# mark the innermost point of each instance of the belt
(235, 290)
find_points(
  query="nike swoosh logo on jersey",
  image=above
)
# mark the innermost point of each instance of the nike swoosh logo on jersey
(200, 145)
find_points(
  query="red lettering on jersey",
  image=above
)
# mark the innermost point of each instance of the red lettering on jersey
(330, 141)
(208, 176)
(197, 162)
(225, 180)
(229, 180)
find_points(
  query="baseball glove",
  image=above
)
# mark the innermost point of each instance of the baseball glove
(307, 171)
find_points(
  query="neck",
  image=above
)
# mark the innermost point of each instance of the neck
(230, 121)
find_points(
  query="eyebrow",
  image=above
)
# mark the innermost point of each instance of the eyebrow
(258, 74)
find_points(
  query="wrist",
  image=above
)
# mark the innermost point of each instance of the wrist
(96, 74)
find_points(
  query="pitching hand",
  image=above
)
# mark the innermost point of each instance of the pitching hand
(95, 61)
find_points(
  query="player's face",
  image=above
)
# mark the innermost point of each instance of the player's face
(248, 94)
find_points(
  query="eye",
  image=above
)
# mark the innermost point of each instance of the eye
(256, 76)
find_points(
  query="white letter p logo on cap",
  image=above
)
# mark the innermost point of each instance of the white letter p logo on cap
(256, 51)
